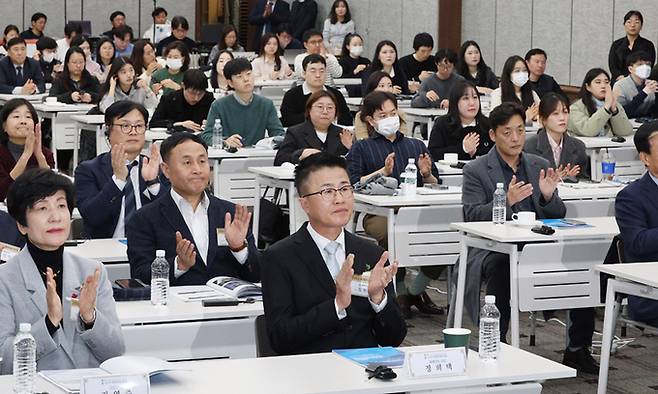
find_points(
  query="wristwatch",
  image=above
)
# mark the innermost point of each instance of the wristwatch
(152, 182)
(235, 250)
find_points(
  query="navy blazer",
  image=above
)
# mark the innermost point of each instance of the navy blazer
(299, 294)
(99, 199)
(9, 233)
(280, 14)
(154, 227)
(637, 217)
(9, 80)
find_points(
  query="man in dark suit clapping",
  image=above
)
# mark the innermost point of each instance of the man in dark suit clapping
(308, 279)
(18, 73)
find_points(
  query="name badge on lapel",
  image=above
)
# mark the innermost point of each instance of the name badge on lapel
(74, 299)
(360, 285)
(221, 237)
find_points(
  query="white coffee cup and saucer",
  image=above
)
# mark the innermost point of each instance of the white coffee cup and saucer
(526, 219)
(51, 101)
(449, 158)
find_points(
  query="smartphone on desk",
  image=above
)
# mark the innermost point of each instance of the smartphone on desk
(130, 283)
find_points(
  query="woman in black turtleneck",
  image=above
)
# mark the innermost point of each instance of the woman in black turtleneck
(38, 284)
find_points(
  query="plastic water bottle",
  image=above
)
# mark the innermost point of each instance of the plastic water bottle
(409, 178)
(499, 210)
(25, 361)
(608, 164)
(217, 135)
(489, 329)
(159, 279)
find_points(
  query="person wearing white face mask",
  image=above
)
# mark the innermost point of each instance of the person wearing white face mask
(514, 87)
(46, 55)
(170, 78)
(636, 92)
(387, 151)
(352, 62)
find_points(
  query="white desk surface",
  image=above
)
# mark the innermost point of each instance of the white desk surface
(356, 101)
(425, 111)
(347, 81)
(143, 312)
(33, 98)
(105, 250)
(274, 82)
(63, 107)
(454, 196)
(445, 169)
(587, 191)
(330, 373)
(602, 227)
(151, 135)
(643, 273)
(89, 119)
(276, 172)
(241, 153)
(606, 142)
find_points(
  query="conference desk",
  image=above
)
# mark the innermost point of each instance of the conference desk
(628, 165)
(64, 130)
(424, 115)
(113, 253)
(32, 98)
(92, 123)
(551, 271)
(516, 371)
(354, 103)
(638, 279)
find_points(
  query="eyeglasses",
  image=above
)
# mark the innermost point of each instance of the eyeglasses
(324, 108)
(329, 194)
(445, 66)
(127, 128)
(315, 42)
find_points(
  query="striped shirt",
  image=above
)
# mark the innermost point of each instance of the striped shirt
(369, 155)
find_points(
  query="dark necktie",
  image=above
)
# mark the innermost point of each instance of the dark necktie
(19, 75)
(129, 195)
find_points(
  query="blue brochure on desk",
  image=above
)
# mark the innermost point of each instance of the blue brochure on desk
(374, 356)
(564, 223)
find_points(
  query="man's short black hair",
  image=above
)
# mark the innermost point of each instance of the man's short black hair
(72, 27)
(502, 114)
(195, 79)
(638, 56)
(311, 33)
(179, 21)
(121, 31)
(445, 54)
(313, 59)
(46, 43)
(632, 13)
(643, 135)
(33, 185)
(535, 51)
(282, 27)
(423, 40)
(38, 15)
(236, 67)
(157, 11)
(176, 139)
(15, 41)
(115, 14)
(313, 163)
(120, 108)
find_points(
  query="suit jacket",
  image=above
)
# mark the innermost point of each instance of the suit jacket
(479, 185)
(302, 17)
(637, 217)
(299, 294)
(280, 14)
(573, 151)
(154, 227)
(304, 136)
(9, 80)
(9, 233)
(448, 137)
(99, 199)
(23, 300)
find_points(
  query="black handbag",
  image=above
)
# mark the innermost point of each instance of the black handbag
(273, 223)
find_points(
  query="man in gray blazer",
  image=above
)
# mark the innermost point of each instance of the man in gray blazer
(36, 285)
(531, 185)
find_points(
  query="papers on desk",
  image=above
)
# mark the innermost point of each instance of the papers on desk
(69, 380)
(197, 293)
(592, 185)
(442, 190)
(376, 356)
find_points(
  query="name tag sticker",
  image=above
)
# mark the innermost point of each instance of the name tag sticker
(444, 362)
(8, 251)
(360, 285)
(221, 238)
(116, 384)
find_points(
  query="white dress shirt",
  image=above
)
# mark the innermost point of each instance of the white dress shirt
(119, 230)
(321, 242)
(197, 223)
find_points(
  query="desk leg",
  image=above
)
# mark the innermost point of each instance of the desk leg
(594, 170)
(293, 208)
(390, 228)
(215, 176)
(430, 125)
(53, 139)
(514, 293)
(608, 327)
(461, 282)
(76, 145)
(256, 218)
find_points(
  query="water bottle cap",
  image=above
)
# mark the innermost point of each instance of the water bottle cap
(490, 299)
(25, 327)
(412, 161)
(218, 121)
(159, 253)
(500, 185)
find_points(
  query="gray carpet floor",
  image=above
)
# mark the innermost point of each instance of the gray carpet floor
(634, 367)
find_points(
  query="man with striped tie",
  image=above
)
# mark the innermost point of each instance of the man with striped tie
(113, 185)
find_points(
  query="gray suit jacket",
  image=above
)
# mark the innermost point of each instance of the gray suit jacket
(573, 151)
(479, 185)
(23, 300)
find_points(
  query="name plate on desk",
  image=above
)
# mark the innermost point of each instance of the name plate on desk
(116, 384)
(446, 362)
